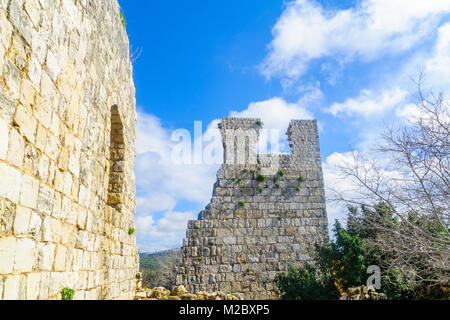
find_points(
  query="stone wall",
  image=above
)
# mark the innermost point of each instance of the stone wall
(266, 212)
(67, 133)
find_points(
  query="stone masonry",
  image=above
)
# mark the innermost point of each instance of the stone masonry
(265, 214)
(67, 133)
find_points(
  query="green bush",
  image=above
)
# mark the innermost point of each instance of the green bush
(67, 294)
(342, 263)
(305, 283)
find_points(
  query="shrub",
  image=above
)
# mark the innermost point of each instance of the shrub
(131, 231)
(67, 294)
(305, 283)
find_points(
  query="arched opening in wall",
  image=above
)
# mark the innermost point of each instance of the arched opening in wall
(116, 171)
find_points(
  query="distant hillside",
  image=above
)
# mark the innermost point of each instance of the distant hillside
(158, 268)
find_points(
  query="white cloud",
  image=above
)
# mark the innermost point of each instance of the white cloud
(276, 113)
(165, 233)
(306, 31)
(369, 102)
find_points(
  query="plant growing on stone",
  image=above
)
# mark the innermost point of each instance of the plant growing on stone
(242, 204)
(260, 190)
(67, 294)
(124, 22)
(302, 179)
(281, 173)
(131, 231)
(259, 123)
(298, 189)
(278, 186)
(275, 180)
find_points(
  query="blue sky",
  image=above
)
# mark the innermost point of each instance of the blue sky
(346, 63)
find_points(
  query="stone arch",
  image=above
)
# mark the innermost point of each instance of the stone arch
(116, 159)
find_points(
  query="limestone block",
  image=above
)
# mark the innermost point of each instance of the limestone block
(21, 221)
(20, 20)
(10, 182)
(4, 136)
(7, 248)
(16, 148)
(6, 30)
(52, 146)
(39, 46)
(24, 255)
(12, 79)
(7, 104)
(52, 65)
(30, 160)
(55, 283)
(45, 257)
(35, 72)
(29, 192)
(27, 93)
(7, 212)
(61, 258)
(15, 288)
(45, 199)
(33, 286)
(46, 230)
(34, 230)
(44, 286)
(32, 7)
(41, 137)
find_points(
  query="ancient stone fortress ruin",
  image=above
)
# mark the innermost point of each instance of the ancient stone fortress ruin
(67, 133)
(265, 212)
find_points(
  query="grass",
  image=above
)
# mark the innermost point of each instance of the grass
(67, 294)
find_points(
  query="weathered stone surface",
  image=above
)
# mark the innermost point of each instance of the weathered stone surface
(266, 211)
(65, 82)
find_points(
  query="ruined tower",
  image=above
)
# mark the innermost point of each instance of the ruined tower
(266, 212)
(67, 147)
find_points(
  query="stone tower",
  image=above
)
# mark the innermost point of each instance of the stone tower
(266, 212)
(67, 135)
